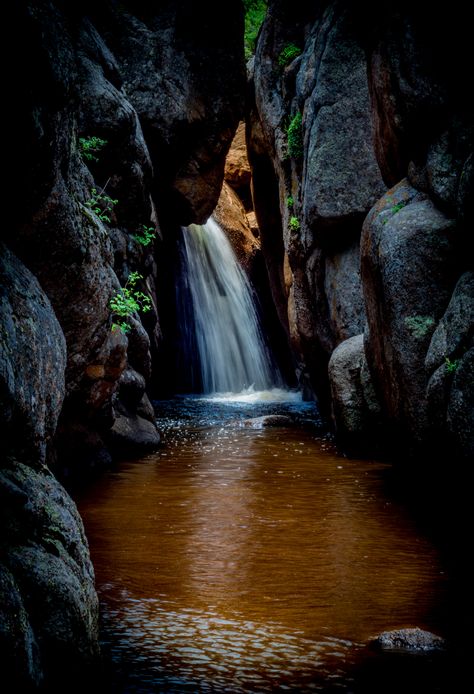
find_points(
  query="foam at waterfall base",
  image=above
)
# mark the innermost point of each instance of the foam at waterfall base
(250, 395)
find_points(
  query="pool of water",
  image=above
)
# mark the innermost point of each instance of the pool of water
(249, 559)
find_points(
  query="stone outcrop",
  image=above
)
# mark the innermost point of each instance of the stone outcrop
(32, 362)
(355, 407)
(185, 78)
(163, 89)
(408, 259)
(367, 105)
(231, 217)
(237, 168)
(48, 604)
(323, 181)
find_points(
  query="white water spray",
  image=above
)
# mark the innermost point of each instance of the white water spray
(229, 339)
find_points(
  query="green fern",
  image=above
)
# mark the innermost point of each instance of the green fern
(289, 52)
(127, 301)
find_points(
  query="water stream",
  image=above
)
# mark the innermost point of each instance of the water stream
(248, 559)
(244, 559)
(222, 325)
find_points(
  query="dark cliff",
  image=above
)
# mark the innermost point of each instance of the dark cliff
(162, 90)
(361, 144)
(360, 138)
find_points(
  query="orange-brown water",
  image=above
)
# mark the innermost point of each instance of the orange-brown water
(247, 560)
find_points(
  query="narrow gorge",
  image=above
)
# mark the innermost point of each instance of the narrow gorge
(237, 328)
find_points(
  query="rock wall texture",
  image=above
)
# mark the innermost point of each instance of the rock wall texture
(163, 88)
(361, 148)
(48, 604)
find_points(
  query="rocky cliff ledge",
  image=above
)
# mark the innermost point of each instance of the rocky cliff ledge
(361, 145)
(121, 117)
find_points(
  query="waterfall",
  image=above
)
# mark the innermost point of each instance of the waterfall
(223, 325)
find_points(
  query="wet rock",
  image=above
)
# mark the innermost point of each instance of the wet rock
(133, 435)
(410, 640)
(32, 361)
(453, 334)
(184, 75)
(131, 388)
(48, 580)
(315, 200)
(341, 179)
(105, 111)
(408, 273)
(343, 294)
(354, 403)
(19, 652)
(419, 123)
(460, 412)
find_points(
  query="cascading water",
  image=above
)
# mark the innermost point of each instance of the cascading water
(223, 325)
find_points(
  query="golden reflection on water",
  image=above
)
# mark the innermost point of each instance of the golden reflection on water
(265, 548)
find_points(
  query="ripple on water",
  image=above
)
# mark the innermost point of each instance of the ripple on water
(209, 653)
(224, 558)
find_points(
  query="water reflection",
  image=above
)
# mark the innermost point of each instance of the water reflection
(247, 560)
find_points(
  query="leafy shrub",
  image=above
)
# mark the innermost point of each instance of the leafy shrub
(294, 223)
(419, 326)
(146, 236)
(127, 301)
(255, 11)
(90, 146)
(101, 205)
(289, 52)
(290, 202)
(294, 133)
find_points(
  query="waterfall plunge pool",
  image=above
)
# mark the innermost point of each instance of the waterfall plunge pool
(239, 559)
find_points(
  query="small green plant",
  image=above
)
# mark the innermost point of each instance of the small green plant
(294, 134)
(419, 326)
(101, 204)
(89, 147)
(294, 223)
(451, 366)
(127, 301)
(290, 202)
(288, 54)
(146, 236)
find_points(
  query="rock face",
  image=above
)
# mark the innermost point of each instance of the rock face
(237, 168)
(231, 217)
(366, 105)
(163, 90)
(355, 408)
(32, 361)
(48, 604)
(185, 78)
(324, 177)
(408, 258)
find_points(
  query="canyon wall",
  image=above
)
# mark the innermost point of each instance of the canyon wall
(162, 90)
(360, 138)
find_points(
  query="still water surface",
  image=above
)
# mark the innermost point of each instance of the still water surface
(242, 559)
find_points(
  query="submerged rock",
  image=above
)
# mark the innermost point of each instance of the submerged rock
(412, 640)
(133, 434)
